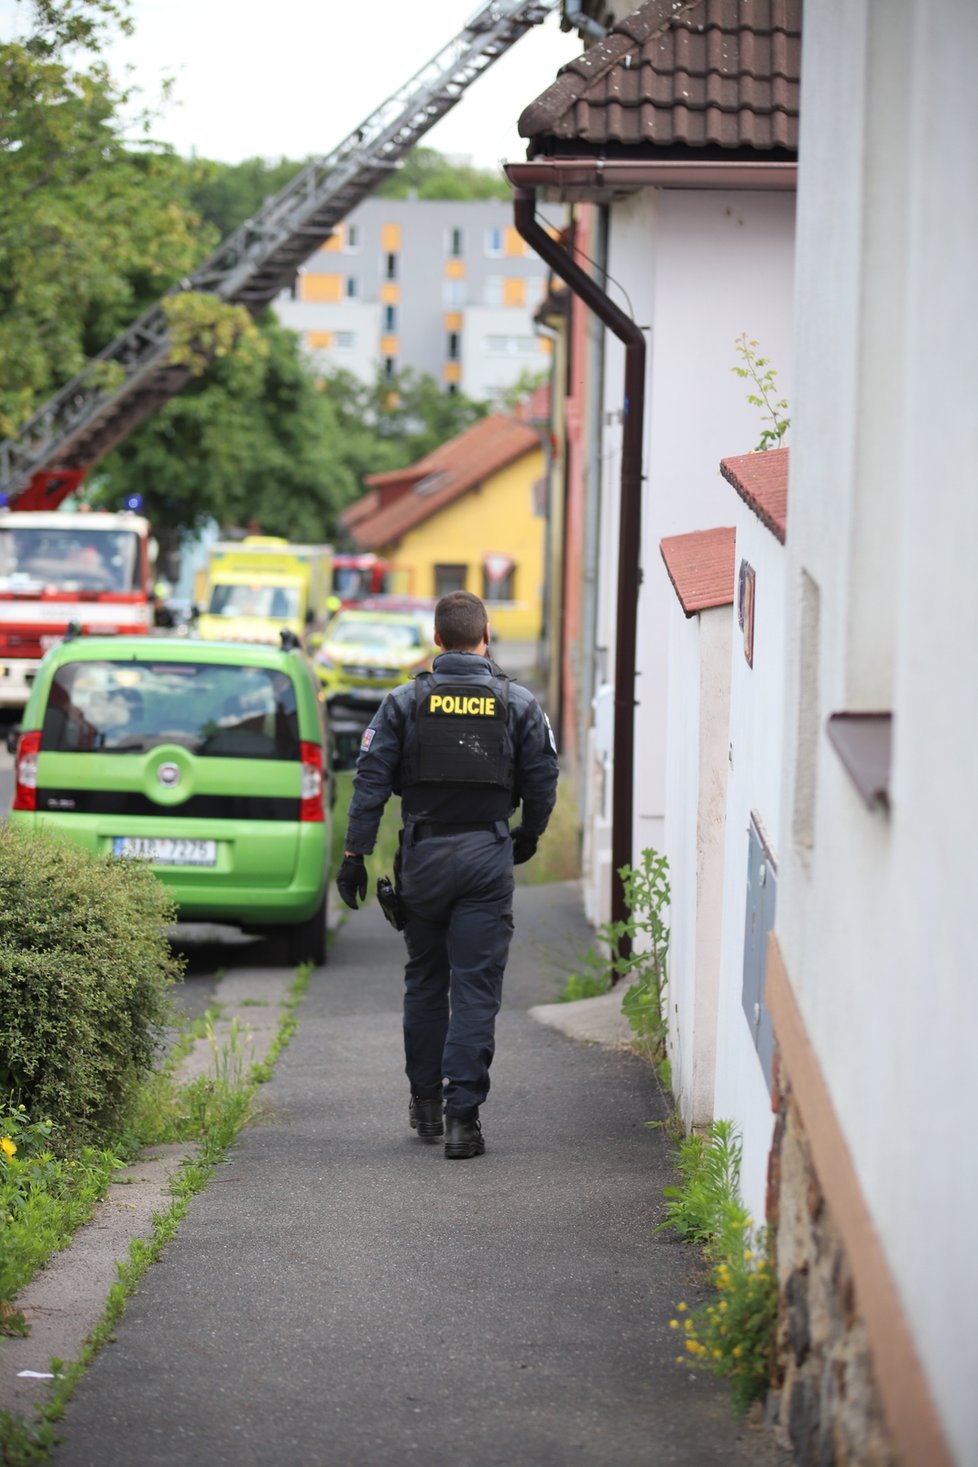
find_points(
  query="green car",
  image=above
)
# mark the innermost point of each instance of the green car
(208, 759)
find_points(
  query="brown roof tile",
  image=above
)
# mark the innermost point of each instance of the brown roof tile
(693, 73)
(701, 567)
(761, 480)
(404, 498)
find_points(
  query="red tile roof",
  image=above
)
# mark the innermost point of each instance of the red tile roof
(401, 499)
(701, 568)
(693, 73)
(761, 480)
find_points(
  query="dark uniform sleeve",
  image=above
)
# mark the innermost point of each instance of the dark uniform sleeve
(373, 784)
(536, 769)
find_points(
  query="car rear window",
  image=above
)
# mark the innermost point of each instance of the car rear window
(227, 712)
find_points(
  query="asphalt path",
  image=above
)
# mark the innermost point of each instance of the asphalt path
(342, 1295)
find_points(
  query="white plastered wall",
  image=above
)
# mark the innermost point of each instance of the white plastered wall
(697, 268)
(699, 672)
(753, 787)
(876, 918)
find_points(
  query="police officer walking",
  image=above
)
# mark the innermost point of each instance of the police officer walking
(464, 746)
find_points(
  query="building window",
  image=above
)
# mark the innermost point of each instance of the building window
(494, 242)
(493, 290)
(453, 346)
(455, 243)
(390, 266)
(390, 318)
(452, 389)
(449, 578)
(352, 287)
(453, 294)
(390, 369)
(351, 239)
(346, 340)
(511, 346)
(498, 576)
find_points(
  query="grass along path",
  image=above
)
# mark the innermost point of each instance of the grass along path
(73, 1303)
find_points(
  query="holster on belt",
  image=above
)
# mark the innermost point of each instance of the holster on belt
(390, 903)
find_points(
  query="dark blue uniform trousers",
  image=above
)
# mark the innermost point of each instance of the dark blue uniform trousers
(458, 892)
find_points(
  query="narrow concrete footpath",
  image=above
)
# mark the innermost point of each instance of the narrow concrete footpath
(342, 1296)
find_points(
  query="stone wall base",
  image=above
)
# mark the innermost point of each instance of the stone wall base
(827, 1410)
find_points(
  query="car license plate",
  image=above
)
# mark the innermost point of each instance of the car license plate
(166, 851)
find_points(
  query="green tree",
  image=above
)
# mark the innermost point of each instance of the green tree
(226, 194)
(91, 232)
(429, 175)
(254, 439)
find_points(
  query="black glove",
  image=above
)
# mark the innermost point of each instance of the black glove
(351, 880)
(524, 844)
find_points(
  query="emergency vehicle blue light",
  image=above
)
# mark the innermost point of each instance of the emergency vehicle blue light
(133, 501)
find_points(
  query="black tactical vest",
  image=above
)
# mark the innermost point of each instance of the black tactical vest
(461, 734)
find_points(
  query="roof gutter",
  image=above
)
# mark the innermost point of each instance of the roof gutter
(595, 176)
(629, 527)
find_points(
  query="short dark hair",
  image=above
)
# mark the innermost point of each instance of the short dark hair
(460, 621)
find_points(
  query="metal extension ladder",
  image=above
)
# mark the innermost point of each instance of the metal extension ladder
(86, 418)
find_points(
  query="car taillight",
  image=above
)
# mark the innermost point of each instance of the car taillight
(25, 794)
(311, 786)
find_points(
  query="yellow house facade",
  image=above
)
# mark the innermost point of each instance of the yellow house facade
(471, 516)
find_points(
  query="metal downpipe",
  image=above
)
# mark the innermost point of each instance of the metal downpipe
(629, 529)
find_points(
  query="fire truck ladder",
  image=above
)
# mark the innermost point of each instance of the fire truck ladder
(87, 418)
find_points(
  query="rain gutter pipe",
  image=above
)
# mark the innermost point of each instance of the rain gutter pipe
(629, 529)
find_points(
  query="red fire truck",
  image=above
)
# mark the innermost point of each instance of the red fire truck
(57, 567)
(356, 576)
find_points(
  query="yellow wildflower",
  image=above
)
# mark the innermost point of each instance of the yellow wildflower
(7, 1146)
(718, 1354)
(687, 1324)
(738, 1351)
(680, 1308)
(674, 1324)
(748, 1255)
(692, 1346)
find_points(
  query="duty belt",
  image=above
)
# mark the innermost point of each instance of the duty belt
(425, 828)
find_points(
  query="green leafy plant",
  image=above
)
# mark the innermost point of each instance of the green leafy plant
(85, 974)
(758, 370)
(643, 961)
(43, 1199)
(733, 1334)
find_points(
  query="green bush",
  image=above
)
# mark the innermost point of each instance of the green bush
(85, 970)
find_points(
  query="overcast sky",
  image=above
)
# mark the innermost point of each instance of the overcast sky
(294, 77)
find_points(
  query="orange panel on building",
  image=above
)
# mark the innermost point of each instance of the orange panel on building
(390, 295)
(319, 340)
(514, 291)
(388, 346)
(452, 372)
(390, 238)
(514, 243)
(321, 288)
(452, 320)
(335, 241)
(454, 269)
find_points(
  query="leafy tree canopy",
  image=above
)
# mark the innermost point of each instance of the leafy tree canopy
(254, 439)
(91, 233)
(226, 194)
(430, 175)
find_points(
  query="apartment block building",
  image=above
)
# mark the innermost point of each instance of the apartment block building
(443, 287)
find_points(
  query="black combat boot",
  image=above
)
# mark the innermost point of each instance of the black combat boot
(463, 1137)
(426, 1117)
